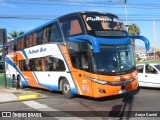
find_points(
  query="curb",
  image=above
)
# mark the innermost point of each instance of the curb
(30, 96)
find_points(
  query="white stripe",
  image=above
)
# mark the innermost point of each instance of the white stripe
(42, 107)
(78, 86)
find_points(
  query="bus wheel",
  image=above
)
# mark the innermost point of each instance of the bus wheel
(19, 83)
(14, 81)
(66, 89)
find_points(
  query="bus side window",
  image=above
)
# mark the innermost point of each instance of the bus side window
(39, 37)
(38, 64)
(27, 41)
(22, 65)
(34, 39)
(66, 27)
(22, 43)
(19, 44)
(71, 26)
(75, 27)
(27, 65)
(58, 65)
(14, 47)
(32, 65)
(44, 64)
(30, 40)
(56, 34)
(44, 39)
(49, 33)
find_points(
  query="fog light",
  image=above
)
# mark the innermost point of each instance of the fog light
(101, 90)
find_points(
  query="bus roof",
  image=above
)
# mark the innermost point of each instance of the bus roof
(50, 22)
(85, 12)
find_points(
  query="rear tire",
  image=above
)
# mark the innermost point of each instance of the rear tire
(14, 81)
(66, 89)
(19, 83)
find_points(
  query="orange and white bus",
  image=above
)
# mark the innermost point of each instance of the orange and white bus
(84, 53)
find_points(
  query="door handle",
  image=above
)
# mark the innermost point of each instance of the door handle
(48, 75)
(146, 76)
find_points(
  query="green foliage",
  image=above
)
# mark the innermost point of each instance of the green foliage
(133, 29)
(15, 34)
(151, 61)
(158, 53)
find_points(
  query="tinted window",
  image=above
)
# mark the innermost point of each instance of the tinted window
(79, 55)
(19, 44)
(34, 39)
(150, 69)
(53, 33)
(70, 26)
(140, 68)
(56, 34)
(157, 66)
(40, 36)
(42, 64)
(104, 25)
(27, 41)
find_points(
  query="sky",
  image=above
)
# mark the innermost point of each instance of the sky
(24, 15)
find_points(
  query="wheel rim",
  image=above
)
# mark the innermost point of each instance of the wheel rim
(20, 84)
(66, 88)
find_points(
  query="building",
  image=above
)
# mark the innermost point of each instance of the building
(142, 55)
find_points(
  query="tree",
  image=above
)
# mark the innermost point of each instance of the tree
(15, 34)
(133, 30)
(158, 53)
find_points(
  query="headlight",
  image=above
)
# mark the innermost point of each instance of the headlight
(117, 83)
(96, 80)
(136, 76)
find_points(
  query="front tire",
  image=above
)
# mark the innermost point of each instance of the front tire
(66, 89)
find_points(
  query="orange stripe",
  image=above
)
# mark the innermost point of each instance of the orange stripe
(73, 70)
(29, 76)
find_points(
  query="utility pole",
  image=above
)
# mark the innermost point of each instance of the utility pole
(125, 8)
(155, 38)
(125, 12)
(3, 39)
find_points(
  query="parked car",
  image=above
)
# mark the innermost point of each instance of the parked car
(149, 75)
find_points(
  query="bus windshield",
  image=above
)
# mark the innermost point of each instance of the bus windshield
(104, 25)
(114, 60)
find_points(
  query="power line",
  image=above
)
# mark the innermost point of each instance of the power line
(93, 4)
(25, 18)
(31, 18)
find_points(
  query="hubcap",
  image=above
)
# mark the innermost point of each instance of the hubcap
(66, 88)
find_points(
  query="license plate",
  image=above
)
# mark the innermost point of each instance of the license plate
(122, 91)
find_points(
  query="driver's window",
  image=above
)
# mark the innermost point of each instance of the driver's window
(79, 55)
(151, 70)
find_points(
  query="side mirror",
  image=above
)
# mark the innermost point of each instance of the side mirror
(145, 40)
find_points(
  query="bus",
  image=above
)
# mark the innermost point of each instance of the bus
(81, 53)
